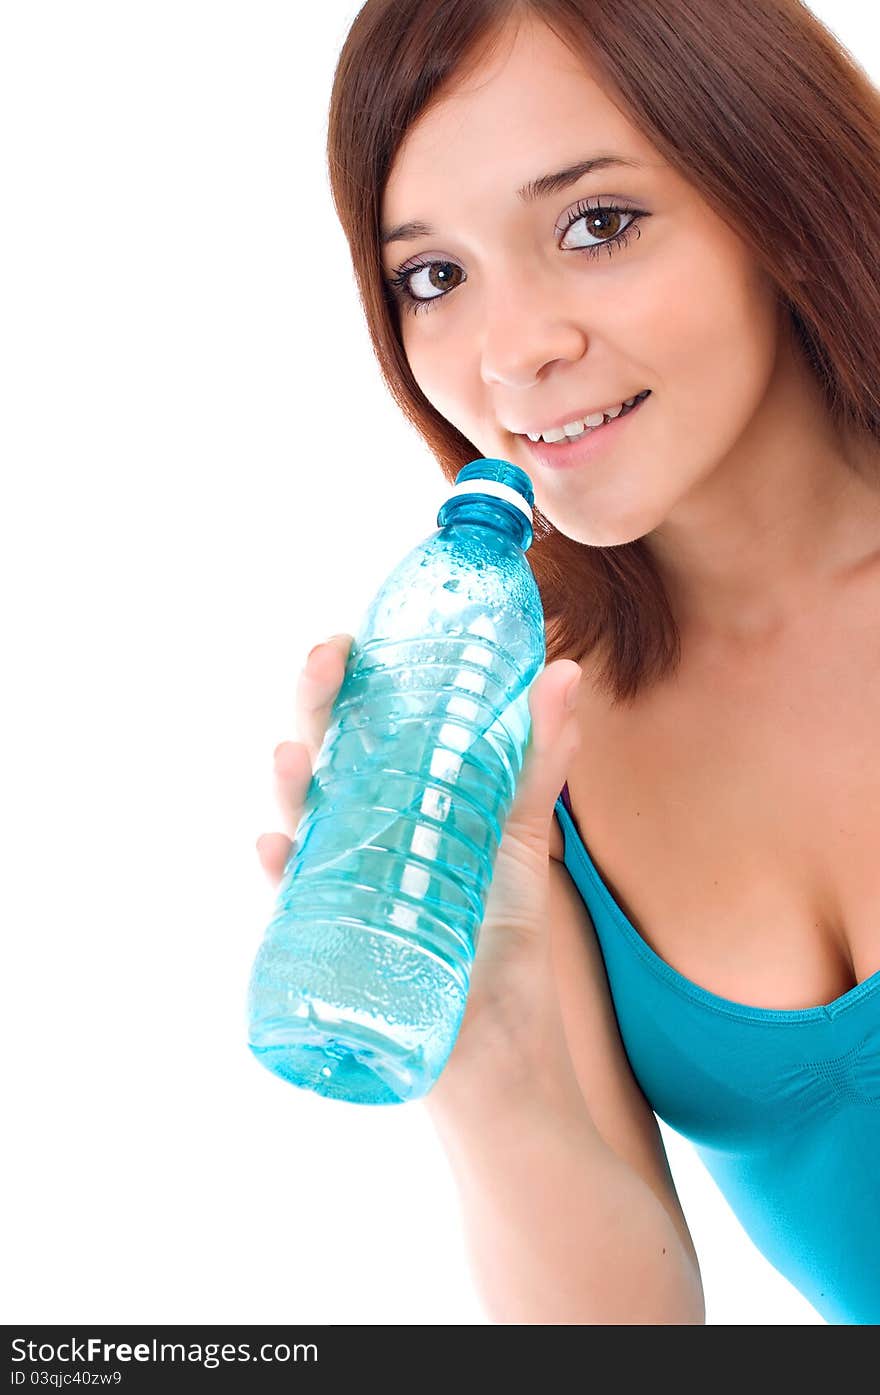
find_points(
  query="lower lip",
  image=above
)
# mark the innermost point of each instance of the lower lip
(561, 454)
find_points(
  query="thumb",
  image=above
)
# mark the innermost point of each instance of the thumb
(553, 741)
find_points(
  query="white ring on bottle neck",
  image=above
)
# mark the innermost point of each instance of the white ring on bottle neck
(495, 488)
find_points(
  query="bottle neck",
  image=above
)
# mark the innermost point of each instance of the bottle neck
(483, 512)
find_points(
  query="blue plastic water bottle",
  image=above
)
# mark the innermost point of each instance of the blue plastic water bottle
(360, 984)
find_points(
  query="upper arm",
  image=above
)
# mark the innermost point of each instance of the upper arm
(612, 1094)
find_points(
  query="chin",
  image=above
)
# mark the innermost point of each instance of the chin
(612, 530)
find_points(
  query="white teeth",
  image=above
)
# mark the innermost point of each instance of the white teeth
(573, 429)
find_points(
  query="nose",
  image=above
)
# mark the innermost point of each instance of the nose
(529, 323)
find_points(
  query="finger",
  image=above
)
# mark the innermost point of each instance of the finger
(293, 775)
(553, 741)
(317, 688)
(273, 850)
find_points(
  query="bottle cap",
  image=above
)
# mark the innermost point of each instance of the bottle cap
(497, 479)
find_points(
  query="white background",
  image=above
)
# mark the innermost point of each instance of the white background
(203, 476)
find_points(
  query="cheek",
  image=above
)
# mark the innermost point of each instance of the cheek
(445, 377)
(711, 332)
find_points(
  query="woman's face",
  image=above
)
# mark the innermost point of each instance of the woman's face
(519, 327)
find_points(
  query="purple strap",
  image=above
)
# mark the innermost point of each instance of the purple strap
(566, 798)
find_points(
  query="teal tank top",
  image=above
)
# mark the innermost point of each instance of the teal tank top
(782, 1107)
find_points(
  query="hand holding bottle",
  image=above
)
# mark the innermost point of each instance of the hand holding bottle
(512, 1001)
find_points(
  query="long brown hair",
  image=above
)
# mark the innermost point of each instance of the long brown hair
(756, 104)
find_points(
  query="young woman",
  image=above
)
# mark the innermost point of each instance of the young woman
(649, 234)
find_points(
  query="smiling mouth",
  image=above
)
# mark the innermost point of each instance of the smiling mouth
(587, 430)
(582, 449)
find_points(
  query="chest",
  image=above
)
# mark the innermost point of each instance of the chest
(735, 816)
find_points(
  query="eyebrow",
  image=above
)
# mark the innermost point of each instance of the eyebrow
(535, 189)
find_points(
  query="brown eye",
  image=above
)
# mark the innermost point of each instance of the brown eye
(418, 282)
(598, 223)
(604, 224)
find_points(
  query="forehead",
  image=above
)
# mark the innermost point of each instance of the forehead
(532, 99)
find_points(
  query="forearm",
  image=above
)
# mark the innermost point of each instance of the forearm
(559, 1228)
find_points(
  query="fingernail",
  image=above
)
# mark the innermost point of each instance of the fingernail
(571, 693)
(313, 651)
